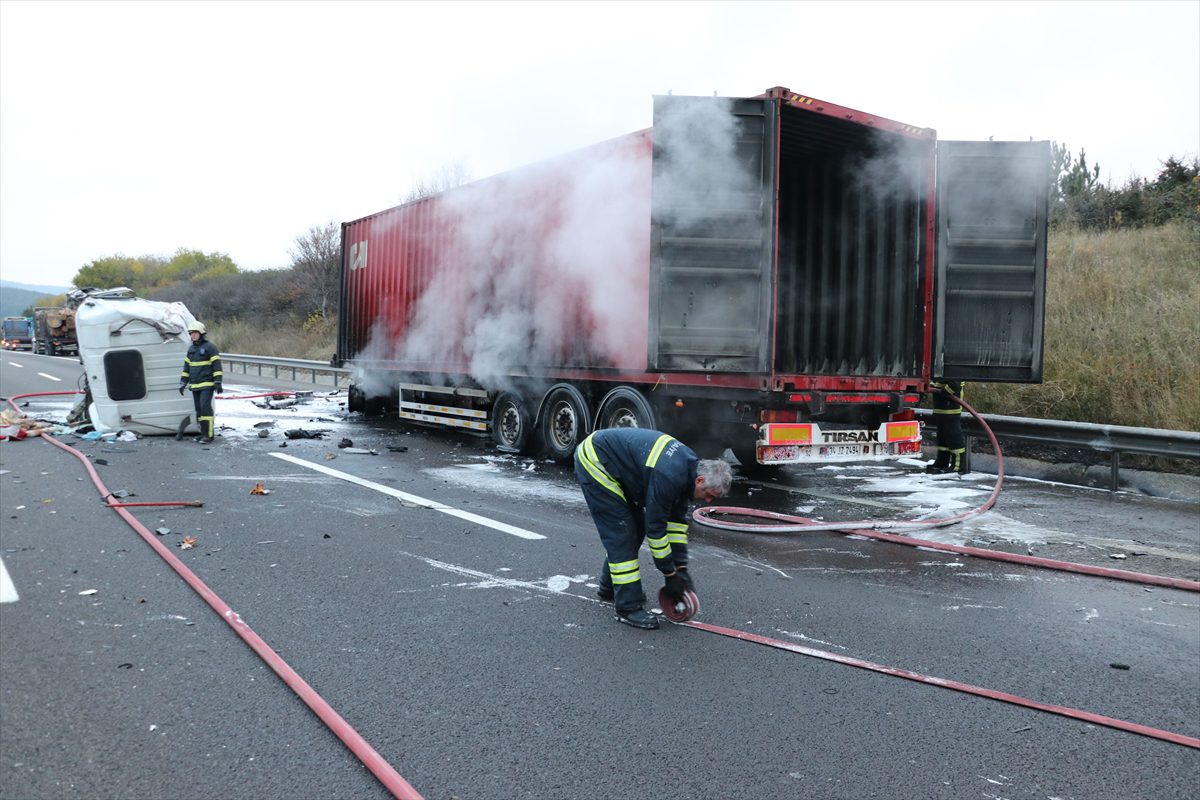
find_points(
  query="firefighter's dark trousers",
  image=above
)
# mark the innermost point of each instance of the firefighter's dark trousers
(202, 399)
(622, 528)
(947, 413)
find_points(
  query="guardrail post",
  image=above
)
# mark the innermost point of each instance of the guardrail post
(1115, 480)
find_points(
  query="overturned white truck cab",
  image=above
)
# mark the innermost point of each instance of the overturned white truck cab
(132, 351)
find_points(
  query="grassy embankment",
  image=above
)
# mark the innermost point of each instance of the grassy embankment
(1122, 333)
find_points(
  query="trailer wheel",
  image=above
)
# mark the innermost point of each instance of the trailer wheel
(625, 408)
(564, 422)
(511, 423)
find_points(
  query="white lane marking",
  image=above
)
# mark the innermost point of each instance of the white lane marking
(412, 498)
(49, 377)
(555, 584)
(8, 592)
(15, 364)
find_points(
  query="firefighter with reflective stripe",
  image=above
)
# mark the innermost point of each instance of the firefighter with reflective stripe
(202, 374)
(947, 416)
(637, 484)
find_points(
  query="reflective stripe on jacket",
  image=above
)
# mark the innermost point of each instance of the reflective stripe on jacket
(649, 470)
(202, 366)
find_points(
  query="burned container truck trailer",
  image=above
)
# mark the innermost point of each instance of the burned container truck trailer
(777, 275)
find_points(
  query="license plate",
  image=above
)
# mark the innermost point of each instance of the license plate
(792, 454)
(845, 450)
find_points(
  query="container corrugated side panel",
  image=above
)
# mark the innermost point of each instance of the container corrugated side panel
(455, 260)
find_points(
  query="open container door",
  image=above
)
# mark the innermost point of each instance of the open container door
(712, 234)
(991, 264)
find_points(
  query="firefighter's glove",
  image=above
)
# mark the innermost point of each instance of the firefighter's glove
(675, 586)
(218, 390)
(181, 388)
(687, 578)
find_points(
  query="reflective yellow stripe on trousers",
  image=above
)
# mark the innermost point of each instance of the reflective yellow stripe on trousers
(625, 572)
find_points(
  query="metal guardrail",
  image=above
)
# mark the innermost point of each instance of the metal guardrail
(1112, 439)
(296, 366)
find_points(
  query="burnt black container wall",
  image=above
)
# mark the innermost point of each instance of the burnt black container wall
(850, 212)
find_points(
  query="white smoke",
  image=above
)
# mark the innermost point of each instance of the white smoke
(547, 266)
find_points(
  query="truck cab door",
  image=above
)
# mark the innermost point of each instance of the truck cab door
(712, 221)
(991, 260)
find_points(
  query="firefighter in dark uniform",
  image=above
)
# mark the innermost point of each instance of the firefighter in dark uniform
(637, 484)
(202, 374)
(947, 416)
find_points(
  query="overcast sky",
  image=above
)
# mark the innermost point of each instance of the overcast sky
(139, 128)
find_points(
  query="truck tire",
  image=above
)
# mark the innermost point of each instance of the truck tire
(51, 350)
(511, 423)
(746, 456)
(624, 407)
(564, 422)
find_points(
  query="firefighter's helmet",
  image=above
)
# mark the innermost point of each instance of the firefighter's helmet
(198, 327)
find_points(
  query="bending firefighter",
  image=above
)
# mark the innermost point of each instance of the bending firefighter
(947, 415)
(637, 484)
(202, 374)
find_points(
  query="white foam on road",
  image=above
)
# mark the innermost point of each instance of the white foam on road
(490, 477)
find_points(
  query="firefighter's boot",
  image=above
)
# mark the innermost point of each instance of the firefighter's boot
(638, 618)
(942, 464)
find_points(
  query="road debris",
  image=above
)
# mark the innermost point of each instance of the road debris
(258, 489)
(188, 543)
(301, 433)
(87, 592)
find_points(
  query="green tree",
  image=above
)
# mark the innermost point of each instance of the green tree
(111, 272)
(194, 265)
(1175, 193)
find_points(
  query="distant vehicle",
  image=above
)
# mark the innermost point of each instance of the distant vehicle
(54, 331)
(779, 275)
(18, 333)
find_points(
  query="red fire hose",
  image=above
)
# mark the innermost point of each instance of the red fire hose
(380, 768)
(786, 523)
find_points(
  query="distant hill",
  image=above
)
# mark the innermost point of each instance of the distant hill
(16, 297)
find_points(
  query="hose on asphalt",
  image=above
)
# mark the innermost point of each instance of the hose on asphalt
(379, 767)
(717, 517)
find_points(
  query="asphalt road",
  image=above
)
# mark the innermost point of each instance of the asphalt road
(477, 662)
